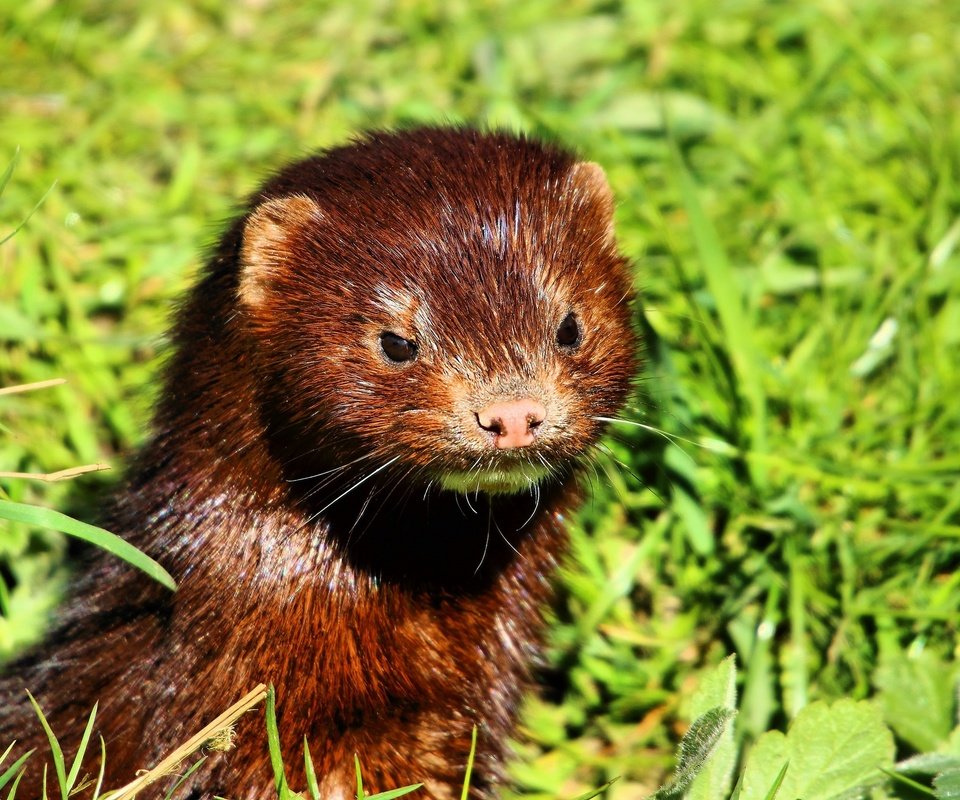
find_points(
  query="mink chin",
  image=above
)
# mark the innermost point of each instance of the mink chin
(359, 469)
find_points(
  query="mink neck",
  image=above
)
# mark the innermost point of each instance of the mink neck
(437, 538)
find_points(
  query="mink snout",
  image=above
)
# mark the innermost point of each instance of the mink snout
(512, 423)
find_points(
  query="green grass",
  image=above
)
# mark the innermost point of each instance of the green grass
(788, 183)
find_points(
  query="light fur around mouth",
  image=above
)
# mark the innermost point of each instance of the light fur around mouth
(494, 481)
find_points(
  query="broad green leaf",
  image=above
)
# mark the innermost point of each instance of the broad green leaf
(947, 785)
(717, 689)
(917, 695)
(696, 747)
(48, 518)
(929, 763)
(831, 750)
(953, 742)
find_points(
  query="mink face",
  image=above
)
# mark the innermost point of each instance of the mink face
(457, 314)
(395, 345)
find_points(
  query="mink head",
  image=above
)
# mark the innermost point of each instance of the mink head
(446, 302)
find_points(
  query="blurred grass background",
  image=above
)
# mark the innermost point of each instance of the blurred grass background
(788, 183)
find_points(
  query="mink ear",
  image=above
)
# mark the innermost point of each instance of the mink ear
(589, 179)
(269, 241)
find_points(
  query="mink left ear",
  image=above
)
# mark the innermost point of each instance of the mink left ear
(269, 237)
(589, 179)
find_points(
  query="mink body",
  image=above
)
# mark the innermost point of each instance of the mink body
(359, 472)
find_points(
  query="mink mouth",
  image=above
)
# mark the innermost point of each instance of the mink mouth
(505, 479)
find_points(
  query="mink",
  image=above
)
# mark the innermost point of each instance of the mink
(378, 400)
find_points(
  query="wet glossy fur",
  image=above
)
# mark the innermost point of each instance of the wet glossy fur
(394, 616)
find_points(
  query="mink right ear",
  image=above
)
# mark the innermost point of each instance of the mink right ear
(269, 241)
(588, 178)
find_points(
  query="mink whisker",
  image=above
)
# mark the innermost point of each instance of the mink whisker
(609, 454)
(486, 540)
(535, 491)
(354, 486)
(546, 464)
(670, 437)
(383, 503)
(505, 539)
(337, 468)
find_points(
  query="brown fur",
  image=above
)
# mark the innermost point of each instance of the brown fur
(393, 617)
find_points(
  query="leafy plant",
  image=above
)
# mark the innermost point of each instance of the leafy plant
(838, 750)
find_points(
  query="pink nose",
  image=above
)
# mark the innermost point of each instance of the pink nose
(513, 423)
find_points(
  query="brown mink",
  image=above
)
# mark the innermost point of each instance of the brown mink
(359, 472)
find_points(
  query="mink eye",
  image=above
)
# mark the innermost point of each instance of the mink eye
(397, 349)
(568, 334)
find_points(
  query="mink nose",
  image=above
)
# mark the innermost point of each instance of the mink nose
(513, 423)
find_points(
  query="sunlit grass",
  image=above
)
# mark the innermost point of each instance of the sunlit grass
(787, 177)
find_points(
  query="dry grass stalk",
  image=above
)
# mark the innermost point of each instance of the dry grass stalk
(59, 475)
(194, 743)
(29, 387)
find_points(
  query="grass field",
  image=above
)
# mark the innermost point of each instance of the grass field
(788, 177)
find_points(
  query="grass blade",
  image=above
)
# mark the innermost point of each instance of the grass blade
(473, 752)
(390, 795)
(273, 742)
(13, 789)
(103, 769)
(81, 750)
(598, 791)
(908, 781)
(31, 387)
(723, 285)
(11, 771)
(183, 778)
(356, 761)
(55, 751)
(772, 792)
(48, 518)
(312, 786)
(8, 172)
(26, 219)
